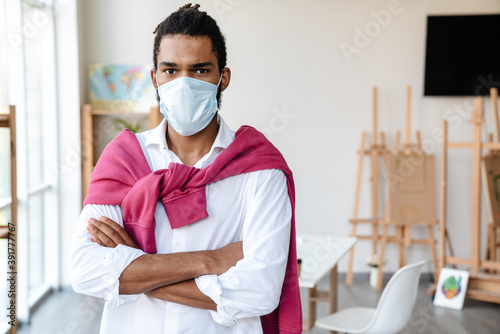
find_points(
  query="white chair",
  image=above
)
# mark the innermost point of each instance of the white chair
(393, 310)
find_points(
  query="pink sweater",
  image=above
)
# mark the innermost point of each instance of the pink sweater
(123, 177)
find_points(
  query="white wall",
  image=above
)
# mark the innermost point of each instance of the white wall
(285, 59)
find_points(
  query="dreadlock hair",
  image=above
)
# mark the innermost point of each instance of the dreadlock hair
(188, 20)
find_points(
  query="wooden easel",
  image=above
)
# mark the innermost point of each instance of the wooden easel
(482, 286)
(9, 121)
(492, 158)
(375, 151)
(403, 227)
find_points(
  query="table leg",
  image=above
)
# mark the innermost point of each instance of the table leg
(332, 292)
(311, 309)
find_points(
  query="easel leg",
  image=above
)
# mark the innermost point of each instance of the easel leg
(490, 247)
(361, 153)
(491, 253)
(348, 277)
(382, 254)
(375, 237)
(432, 246)
(496, 248)
(400, 240)
(448, 241)
(493, 242)
(476, 187)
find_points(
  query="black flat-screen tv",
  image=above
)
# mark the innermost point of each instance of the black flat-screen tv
(462, 55)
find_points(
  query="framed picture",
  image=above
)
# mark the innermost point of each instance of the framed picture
(451, 288)
(121, 87)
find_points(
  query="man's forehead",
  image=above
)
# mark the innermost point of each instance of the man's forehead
(186, 49)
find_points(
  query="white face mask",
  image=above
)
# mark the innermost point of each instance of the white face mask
(188, 104)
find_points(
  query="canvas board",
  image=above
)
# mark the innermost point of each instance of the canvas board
(411, 180)
(451, 288)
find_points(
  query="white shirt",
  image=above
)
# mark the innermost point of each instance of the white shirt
(252, 207)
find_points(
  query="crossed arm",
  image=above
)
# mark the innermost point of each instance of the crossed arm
(223, 276)
(166, 276)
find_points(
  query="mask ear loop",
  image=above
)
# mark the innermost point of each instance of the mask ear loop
(220, 80)
(156, 79)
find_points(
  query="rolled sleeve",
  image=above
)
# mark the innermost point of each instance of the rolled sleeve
(253, 287)
(209, 286)
(115, 262)
(95, 270)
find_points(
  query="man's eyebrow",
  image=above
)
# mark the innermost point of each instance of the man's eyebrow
(199, 65)
(168, 64)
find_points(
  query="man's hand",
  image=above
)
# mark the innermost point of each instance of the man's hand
(107, 233)
(152, 271)
(226, 257)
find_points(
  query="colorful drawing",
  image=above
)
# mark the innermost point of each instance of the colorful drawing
(451, 288)
(121, 87)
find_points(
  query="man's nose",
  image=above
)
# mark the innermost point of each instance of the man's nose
(186, 73)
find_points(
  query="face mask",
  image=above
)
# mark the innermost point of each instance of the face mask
(188, 104)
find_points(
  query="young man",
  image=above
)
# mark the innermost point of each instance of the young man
(187, 227)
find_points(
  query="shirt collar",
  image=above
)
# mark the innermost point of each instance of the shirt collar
(225, 137)
(157, 135)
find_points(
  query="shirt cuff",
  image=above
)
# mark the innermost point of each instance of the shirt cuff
(209, 286)
(116, 262)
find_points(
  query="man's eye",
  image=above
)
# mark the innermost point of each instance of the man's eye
(170, 71)
(202, 71)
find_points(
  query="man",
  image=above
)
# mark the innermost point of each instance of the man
(187, 227)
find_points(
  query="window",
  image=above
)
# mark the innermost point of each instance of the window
(28, 81)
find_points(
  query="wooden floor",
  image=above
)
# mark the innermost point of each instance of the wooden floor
(67, 312)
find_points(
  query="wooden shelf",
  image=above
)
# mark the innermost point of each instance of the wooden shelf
(4, 232)
(9, 121)
(4, 121)
(87, 131)
(97, 112)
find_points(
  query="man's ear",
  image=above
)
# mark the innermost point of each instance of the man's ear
(153, 78)
(226, 78)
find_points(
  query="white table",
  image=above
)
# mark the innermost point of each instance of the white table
(320, 255)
